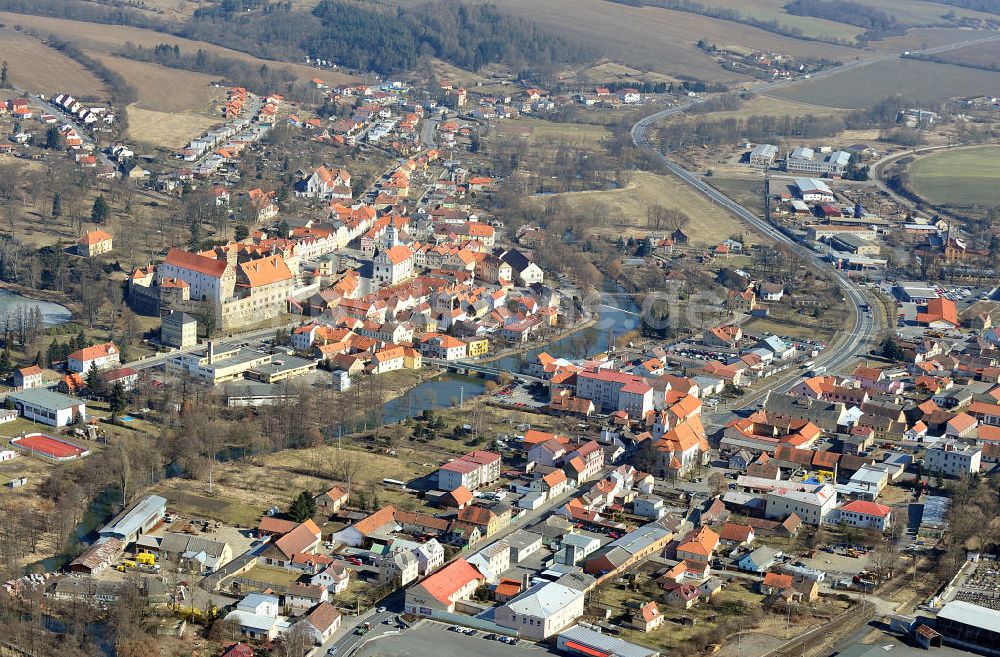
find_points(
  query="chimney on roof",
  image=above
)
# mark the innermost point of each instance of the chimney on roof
(211, 352)
(525, 581)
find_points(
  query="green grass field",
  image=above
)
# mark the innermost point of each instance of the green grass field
(773, 10)
(920, 81)
(961, 178)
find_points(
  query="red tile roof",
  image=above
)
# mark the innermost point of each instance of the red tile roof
(867, 508)
(380, 518)
(195, 262)
(446, 582)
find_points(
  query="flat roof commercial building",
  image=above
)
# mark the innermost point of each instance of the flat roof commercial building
(138, 519)
(970, 626)
(808, 161)
(579, 640)
(48, 407)
(762, 156)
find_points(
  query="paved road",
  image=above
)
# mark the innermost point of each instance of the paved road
(67, 118)
(427, 133)
(865, 326)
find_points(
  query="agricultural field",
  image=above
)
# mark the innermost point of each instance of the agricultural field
(107, 39)
(173, 107)
(924, 13)
(709, 224)
(920, 37)
(37, 68)
(970, 176)
(921, 81)
(654, 39)
(773, 10)
(984, 54)
(540, 132)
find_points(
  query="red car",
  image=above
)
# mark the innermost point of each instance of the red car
(354, 560)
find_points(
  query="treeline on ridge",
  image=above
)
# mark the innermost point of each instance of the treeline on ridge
(697, 132)
(361, 35)
(876, 23)
(469, 36)
(261, 79)
(988, 6)
(734, 16)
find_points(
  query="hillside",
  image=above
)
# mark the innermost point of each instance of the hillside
(361, 35)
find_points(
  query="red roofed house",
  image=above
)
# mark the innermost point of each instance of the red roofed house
(281, 552)
(554, 483)
(647, 617)
(775, 583)
(381, 522)
(28, 377)
(735, 534)
(506, 589)
(332, 500)
(866, 515)
(94, 242)
(698, 545)
(614, 391)
(475, 469)
(684, 596)
(321, 622)
(102, 356)
(439, 592)
(238, 650)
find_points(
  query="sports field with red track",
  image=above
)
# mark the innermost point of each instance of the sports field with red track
(49, 446)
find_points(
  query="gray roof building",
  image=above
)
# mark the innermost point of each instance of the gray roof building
(137, 519)
(579, 640)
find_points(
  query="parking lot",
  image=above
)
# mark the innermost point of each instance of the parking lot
(433, 639)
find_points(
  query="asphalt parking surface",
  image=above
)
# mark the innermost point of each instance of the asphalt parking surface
(432, 639)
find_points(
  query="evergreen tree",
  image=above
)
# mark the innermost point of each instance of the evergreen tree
(56, 205)
(891, 350)
(5, 364)
(303, 507)
(54, 140)
(117, 400)
(241, 232)
(195, 227)
(81, 340)
(52, 353)
(99, 213)
(94, 380)
(3, 75)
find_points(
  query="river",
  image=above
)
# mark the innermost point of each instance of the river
(617, 317)
(52, 313)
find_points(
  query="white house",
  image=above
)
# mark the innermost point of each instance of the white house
(430, 556)
(542, 611)
(300, 597)
(952, 459)
(334, 578)
(492, 561)
(101, 356)
(257, 616)
(866, 515)
(813, 503)
(321, 622)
